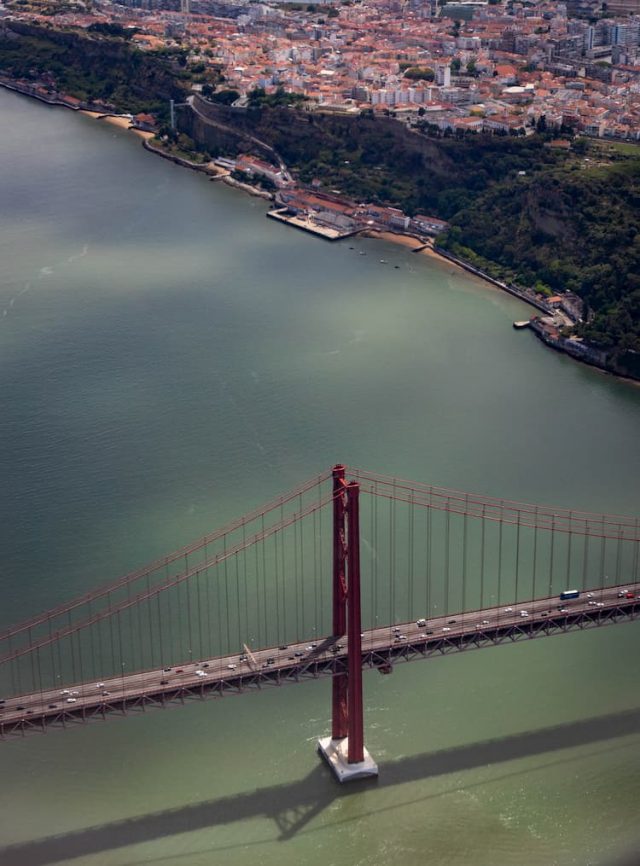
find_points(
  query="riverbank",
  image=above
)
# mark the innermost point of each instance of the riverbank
(577, 350)
(427, 247)
(413, 242)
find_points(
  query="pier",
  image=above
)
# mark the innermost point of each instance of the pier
(307, 224)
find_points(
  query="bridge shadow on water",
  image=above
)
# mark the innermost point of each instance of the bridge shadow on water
(292, 806)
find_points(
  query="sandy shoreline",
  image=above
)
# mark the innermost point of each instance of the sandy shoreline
(392, 237)
(423, 248)
(121, 122)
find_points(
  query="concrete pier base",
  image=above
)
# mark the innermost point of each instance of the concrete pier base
(335, 753)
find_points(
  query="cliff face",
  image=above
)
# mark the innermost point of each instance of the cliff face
(300, 135)
(367, 158)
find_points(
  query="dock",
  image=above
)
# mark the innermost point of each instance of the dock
(307, 224)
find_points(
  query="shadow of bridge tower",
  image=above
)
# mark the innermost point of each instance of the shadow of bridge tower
(294, 806)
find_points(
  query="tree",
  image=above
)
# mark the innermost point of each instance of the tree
(471, 67)
(455, 65)
(224, 97)
(541, 125)
(419, 73)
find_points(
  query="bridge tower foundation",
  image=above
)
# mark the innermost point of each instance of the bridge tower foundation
(344, 750)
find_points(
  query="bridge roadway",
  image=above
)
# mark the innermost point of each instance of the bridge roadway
(381, 647)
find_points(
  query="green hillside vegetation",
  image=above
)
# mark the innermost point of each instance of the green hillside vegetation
(99, 67)
(574, 229)
(377, 159)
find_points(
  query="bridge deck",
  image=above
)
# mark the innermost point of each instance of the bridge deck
(381, 647)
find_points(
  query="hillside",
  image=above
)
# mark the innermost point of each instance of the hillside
(90, 67)
(371, 158)
(575, 229)
(552, 218)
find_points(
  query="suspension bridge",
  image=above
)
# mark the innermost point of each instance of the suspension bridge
(349, 571)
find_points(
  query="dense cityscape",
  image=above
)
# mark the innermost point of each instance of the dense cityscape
(497, 67)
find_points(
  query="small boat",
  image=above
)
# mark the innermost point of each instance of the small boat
(362, 253)
(519, 325)
(383, 261)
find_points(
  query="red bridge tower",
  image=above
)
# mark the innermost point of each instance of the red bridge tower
(344, 750)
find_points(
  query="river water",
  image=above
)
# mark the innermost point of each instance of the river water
(169, 359)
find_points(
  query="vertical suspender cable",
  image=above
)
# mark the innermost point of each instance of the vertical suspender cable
(166, 595)
(189, 617)
(301, 564)
(80, 666)
(636, 575)
(245, 571)
(121, 654)
(276, 569)
(618, 554)
(59, 653)
(518, 555)
(464, 556)
(92, 631)
(73, 661)
(137, 611)
(569, 539)
(283, 572)
(411, 560)
(152, 649)
(163, 661)
(33, 663)
(265, 611)
(390, 574)
(226, 596)
(53, 664)
(603, 555)
(500, 527)
(201, 648)
(316, 600)
(553, 532)
(585, 553)
(374, 511)
(238, 602)
(258, 601)
(207, 583)
(321, 562)
(296, 594)
(482, 542)
(281, 636)
(428, 594)
(446, 556)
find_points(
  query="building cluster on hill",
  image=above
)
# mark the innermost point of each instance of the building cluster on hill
(502, 67)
